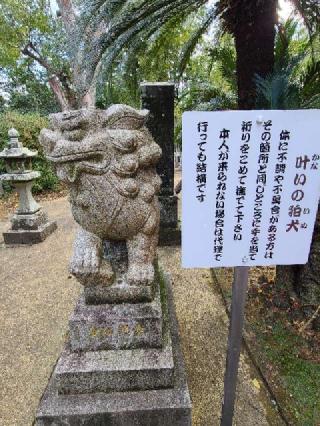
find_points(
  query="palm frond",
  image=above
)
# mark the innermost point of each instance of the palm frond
(313, 102)
(309, 11)
(193, 41)
(310, 84)
(223, 57)
(285, 34)
(132, 20)
(276, 92)
(144, 30)
(98, 9)
(98, 14)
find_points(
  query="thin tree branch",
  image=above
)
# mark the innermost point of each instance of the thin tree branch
(35, 55)
(54, 80)
(59, 93)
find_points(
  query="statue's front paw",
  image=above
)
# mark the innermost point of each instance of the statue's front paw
(87, 253)
(86, 262)
(140, 274)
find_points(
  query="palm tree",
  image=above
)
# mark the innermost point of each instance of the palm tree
(102, 29)
(253, 25)
(295, 84)
(295, 80)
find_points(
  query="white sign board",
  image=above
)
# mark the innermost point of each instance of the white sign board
(251, 186)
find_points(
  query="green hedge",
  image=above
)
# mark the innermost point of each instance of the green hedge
(29, 126)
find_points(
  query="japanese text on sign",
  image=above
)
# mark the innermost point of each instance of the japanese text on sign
(251, 186)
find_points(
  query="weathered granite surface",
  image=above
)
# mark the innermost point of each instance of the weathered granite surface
(32, 236)
(115, 371)
(118, 292)
(29, 221)
(108, 159)
(122, 363)
(115, 254)
(158, 407)
(117, 326)
(151, 367)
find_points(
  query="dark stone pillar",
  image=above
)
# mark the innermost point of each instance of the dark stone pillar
(158, 98)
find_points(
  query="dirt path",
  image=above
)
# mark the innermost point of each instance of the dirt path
(37, 296)
(204, 327)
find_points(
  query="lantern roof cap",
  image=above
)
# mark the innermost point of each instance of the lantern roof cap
(15, 149)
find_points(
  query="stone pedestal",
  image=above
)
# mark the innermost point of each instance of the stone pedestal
(28, 237)
(29, 228)
(122, 363)
(129, 387)
(158, 98)
(116, 326)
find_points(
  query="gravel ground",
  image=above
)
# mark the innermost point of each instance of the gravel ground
(204, 327)
(37, 296)
(36, 299)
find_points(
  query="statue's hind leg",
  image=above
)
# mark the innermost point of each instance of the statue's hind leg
(142, 251)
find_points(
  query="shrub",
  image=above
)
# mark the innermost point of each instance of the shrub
(29, 126)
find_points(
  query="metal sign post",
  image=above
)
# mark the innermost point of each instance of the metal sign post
(239, 293)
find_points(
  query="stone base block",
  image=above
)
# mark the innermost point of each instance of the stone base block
(115, 371)
(158, 407)
(119, 292)
(17, 237)
(29, 222)
(117, 326)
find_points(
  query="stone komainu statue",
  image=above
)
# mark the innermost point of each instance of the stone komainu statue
(108, 158)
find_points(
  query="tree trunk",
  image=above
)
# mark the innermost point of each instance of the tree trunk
(69, 19)
(88, 101)
(58, 92)
(254, 32)
(68, 16)
(253, 25)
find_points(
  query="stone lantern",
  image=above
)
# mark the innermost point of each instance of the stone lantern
(30, 223)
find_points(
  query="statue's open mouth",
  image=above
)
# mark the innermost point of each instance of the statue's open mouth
(77, 156)
(71, 166)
